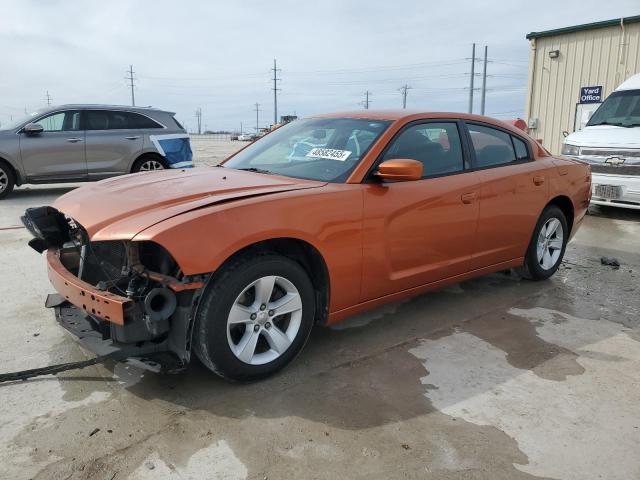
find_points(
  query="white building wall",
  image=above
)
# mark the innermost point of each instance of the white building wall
(600, 56)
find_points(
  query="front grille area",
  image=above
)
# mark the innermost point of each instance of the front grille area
(613, 170)
(103, 261)
(606, 152)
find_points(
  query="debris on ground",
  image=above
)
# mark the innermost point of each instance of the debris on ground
(610, 261)
(94, 431)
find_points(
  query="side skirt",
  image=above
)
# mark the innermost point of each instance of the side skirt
(335, 317)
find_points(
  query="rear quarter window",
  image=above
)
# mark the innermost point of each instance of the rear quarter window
(492, 147)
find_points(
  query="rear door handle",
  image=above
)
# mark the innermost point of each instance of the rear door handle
(132, 138)
(538, 180)
(468, 197)
(74, 140)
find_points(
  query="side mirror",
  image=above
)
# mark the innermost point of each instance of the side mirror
(32, 128)
(400, 170)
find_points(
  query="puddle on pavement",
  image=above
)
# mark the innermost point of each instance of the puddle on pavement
(366, 417)
(368, 414)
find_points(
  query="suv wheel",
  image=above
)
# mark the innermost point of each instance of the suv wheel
(255, 317)
(149, 163)
(547, 246)
(7, 180)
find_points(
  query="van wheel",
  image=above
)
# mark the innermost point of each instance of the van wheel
(547, 246)
(7, 180)
(147, 163)
(255, 317)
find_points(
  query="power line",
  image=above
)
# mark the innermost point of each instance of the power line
(131, 78)
(366, 101)
(484, 81)
(257, 117)
(403, 91)
(275, 91)
(473, 75)
(198, 116)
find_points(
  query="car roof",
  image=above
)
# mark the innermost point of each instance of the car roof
(406, 115)
(128, 108)
(412, 115)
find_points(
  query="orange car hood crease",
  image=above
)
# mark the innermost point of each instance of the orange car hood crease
(107, 213)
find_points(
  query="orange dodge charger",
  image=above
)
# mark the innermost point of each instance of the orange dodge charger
(321, 219)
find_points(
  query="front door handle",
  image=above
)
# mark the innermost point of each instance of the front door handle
(132, 138)
(538, 180)
(468, 198)
(74, 140)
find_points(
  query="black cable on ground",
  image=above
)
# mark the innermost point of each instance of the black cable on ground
(61, 367)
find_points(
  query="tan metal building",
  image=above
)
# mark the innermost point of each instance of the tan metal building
(567, 65)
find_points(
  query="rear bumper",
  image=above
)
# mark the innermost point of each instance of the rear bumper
(103, 305)
(630, 187)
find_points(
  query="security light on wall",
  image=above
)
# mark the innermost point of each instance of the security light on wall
(554, 53)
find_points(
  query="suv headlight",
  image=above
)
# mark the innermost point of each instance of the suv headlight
(570, 150)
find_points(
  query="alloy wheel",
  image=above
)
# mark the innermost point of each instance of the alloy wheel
(550, 241)
(264, 320)
(4, 180)
(149, 165)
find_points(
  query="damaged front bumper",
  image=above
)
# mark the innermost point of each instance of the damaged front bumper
(117, 295)
(96, 336)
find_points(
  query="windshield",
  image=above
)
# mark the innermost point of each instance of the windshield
(325, 149)
(620, 108)
(17, 123)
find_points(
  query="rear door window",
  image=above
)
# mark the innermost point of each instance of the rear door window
(117, 120)
(522, 153)
(492, 147)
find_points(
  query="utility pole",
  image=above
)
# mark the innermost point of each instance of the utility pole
(48, 98)
(199, 119)
(484, 81)
(403, 90)
(257, 117)
(366, 99)
(131, 78)
(275, 91)
(473, 74)
(240, 128)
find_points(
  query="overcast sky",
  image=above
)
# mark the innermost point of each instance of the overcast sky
(217, 55)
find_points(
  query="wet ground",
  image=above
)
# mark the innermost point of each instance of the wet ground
(495, 378)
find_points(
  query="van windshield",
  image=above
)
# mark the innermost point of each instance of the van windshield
(621, 109)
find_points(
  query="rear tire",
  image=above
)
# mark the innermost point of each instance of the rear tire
(239, 334)
(547, 245)
(7, 180)
(148, 163)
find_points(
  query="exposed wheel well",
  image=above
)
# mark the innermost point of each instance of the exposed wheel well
(564, 203)
(16, 175)
(157, 156)
(306, 255)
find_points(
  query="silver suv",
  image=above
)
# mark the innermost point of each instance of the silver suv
(77, 143)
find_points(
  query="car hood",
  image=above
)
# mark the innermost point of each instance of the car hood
(606, 136)
(121, 207)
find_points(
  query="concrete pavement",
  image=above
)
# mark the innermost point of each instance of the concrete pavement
(493, 378)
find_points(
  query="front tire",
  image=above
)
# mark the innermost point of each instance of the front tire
(7, 180)
(255, 317)
(547, 245)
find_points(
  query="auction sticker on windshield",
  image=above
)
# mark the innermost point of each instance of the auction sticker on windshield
(329, 154)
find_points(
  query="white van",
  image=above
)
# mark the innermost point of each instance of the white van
(610, 142)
